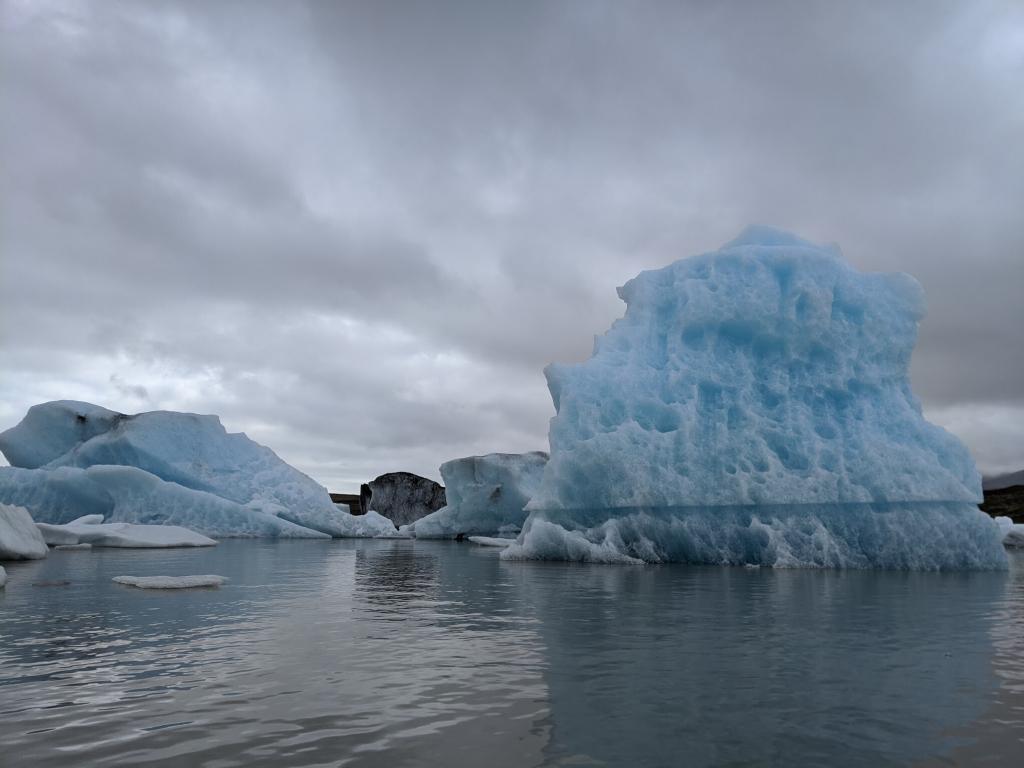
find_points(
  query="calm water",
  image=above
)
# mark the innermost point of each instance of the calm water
(397, 653)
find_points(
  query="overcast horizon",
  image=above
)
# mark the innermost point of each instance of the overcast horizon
(359, 231)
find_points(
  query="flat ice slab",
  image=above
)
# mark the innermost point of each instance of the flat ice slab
(124, 535)
(491, 541)
(171, 582)
(19, 537)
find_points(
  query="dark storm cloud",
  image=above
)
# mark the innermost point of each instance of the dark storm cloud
(359, 230)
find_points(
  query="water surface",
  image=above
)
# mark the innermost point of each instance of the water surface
(397, 653)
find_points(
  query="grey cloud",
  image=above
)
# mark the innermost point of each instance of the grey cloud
(359, 230)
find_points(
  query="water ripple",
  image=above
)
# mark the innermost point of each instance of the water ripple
(431, 653)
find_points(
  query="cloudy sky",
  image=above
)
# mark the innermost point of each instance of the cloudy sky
(359, 230)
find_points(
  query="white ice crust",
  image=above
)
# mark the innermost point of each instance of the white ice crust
(485, 494)
(161, 467)
(19, 537)
(171, 582)
(769, 373)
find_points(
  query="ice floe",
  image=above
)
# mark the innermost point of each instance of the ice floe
(171, 582)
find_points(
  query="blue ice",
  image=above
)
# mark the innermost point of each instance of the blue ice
(753, 405)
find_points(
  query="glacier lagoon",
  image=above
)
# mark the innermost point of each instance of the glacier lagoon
(417, 652)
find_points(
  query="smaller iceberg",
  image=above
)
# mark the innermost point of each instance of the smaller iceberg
(374, 525)
(69, 458)
(19, 537)
(485, 494)
(170, 582)
(1012, 533)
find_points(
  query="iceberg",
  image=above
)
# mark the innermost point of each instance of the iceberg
(90, 532)
(19, 537)
(160, 467)
(170, 582)
(753, 405)
(486, 495)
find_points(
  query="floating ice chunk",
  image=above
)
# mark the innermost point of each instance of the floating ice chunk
(125, 535)
(73, 547)
(171, 582)
(19, 537)
(924, 536)
(1012, 533)
(3, 577)
(491, 541)
(769, 373)
(486, 494)
(190, 450)
(130, 495)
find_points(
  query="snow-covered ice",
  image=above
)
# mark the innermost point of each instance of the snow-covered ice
(485, 494)
(171, 582)
(127, 535)
(1012, 533)
(160, 467)
(754, 405)
(19, 537)
(491, 541)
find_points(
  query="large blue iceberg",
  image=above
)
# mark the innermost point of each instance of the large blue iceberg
(72, 458)
(753, 406)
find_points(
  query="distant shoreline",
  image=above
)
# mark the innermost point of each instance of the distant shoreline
(1005, 502)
